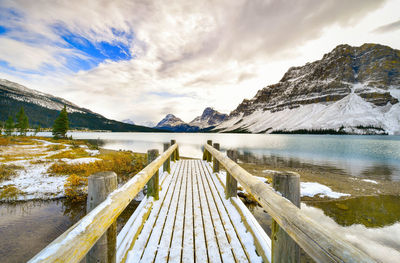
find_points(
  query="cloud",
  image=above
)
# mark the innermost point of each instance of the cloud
(388, 27)
(119, 58)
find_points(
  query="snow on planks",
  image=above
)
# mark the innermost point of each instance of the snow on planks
(191, 222)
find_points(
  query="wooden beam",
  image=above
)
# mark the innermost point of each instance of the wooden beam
(209, 142)
(320, 244)
(215, 161)
(153, 185)
(231, 182)
(173, 155)
(99, 186)
(284, 248)
(74, 243)
(167, 163)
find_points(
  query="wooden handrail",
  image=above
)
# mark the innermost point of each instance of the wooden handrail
(74, 244)
(321, 245)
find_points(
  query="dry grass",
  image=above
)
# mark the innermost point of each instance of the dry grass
(4, 141)
(123, 163)
(9, 192)
(7, 171)
(70, 154)
(55, 147)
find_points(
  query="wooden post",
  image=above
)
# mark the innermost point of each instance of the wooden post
(99, 186)
(284, 248)
(209, 156)
(231, 183)
(153, 186)
(173, 155)
(167, 163)
(215, 161)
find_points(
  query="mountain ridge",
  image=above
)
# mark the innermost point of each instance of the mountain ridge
(367, 76)
(42, 109)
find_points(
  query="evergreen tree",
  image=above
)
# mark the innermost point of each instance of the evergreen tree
(22, 122)
(9, 126)
(61, 124)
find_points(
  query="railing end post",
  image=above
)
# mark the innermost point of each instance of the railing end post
(215, 161)
(231, 182)
(167, 163)
(100, 185)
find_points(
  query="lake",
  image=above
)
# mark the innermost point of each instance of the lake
(370, 219)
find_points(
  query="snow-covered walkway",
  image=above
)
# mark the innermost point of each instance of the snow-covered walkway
(192, 222)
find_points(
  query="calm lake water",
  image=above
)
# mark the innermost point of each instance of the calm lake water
(371, 223)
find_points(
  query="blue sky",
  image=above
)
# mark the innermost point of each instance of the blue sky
(144, 59)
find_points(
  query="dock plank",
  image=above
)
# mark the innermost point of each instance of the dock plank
(192, 222)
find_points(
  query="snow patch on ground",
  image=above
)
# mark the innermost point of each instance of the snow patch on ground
(80, 160)
(370, 181)
(311, 189)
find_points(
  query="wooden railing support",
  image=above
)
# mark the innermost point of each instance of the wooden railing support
(99, 186)
(215, 161)
(231, 182)
(173, 155)
(316, 241)
(167, 163)
(209, 156)
(284, 248)
(153, 186)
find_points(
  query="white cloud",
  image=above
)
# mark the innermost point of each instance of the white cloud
(193, 54)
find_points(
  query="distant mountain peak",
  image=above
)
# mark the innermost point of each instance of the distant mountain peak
(208, 118)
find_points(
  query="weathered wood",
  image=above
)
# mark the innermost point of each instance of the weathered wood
(99, 186)
(153, 185)
(167, 163)
(209, 156)
(173, 155)
(231, 182)
(73, 244)
(321, 245)
(284, 248)
(215, 161)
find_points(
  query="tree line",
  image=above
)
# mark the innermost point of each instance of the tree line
(21, 124)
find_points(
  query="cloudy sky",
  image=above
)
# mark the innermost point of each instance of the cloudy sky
(143, 59)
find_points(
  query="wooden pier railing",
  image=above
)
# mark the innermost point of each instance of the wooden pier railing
(75, 243)
(321, 245)
(290, 228)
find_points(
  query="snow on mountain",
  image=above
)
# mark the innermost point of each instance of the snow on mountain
(173, 123)
(209, 118)
(128, 121)
(21, 93)
(353, 89)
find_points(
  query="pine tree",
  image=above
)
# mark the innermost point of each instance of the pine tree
(9, 126)
(22, 122)
(61, 124)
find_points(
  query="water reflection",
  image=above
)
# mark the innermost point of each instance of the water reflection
(382, 243)
(370, 211)
(27, 227)
(361, 156)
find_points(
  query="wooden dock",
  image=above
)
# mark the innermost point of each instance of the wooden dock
(192, 214)
(191, 222)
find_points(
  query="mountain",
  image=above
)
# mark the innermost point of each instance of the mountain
(351, 89)
(128, 121)
(209, 118)
(173, 123)
(42, 109)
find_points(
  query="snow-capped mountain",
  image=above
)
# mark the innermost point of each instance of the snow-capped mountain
(209, 118)
(173, 123)
(352, 89)
(129, 121)
(42, 109)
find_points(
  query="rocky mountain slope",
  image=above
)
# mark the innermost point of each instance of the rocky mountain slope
(175, 124)
(42, 109)
(351, 89)
(207, 120)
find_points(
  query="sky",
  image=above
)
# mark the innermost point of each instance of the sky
(143, 59)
